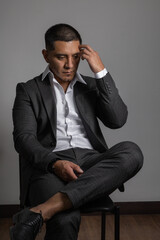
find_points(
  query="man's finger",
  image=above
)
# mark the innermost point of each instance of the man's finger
(71, 174)
(85, 46)
(77, 169)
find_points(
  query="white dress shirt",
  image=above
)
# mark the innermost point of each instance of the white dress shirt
(70, 130)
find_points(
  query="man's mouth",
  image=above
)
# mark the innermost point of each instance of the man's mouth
(68, 72)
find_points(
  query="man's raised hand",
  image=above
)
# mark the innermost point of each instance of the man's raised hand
(92, 57)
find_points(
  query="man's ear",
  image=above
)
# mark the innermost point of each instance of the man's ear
(45, 55)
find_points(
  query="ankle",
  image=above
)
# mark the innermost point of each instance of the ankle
(44, 210)
(58, 203)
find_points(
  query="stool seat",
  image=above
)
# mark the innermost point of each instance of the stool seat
(102, 204)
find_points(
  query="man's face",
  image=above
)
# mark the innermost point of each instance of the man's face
(63, 60)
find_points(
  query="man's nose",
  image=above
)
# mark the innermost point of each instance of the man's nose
(69, 63)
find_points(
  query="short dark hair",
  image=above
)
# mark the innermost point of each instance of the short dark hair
(61, 32)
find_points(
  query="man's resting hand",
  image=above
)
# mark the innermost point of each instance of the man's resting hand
(66, 170)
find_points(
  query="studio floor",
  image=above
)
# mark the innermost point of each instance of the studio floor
(132, 227)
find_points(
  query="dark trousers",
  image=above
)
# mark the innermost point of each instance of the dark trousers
(103, 173)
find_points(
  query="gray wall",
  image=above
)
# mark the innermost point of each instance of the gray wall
(126, 34)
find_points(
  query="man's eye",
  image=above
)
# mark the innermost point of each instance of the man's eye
(60, 57)
(76, 56)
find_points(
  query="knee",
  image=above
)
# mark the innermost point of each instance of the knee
(134, 155)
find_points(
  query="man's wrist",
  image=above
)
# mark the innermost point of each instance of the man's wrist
(101, 74)
(51, 166)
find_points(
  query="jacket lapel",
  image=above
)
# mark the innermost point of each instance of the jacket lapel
(48, 101)
(86, 101)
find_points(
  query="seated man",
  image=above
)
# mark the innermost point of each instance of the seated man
(64, 160)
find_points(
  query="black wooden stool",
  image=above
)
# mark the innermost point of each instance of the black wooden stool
(104, 205)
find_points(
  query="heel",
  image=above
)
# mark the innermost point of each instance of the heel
(20, 216)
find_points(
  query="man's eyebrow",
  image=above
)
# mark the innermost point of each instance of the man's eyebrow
(60, 54)
(63, 54)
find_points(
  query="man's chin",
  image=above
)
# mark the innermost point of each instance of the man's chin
(68, 77)
(65, 77)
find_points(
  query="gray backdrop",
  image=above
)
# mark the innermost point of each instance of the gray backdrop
(126, 33)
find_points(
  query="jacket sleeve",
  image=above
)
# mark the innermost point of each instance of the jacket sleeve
(110, 109)
(25, 132)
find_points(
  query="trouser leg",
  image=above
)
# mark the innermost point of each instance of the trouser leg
(63, 226)
(110, 170)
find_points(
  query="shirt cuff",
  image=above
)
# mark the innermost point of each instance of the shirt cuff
(101, 74)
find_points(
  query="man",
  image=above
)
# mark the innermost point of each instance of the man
(64, 160)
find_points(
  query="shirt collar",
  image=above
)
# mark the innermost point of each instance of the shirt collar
(78, 77)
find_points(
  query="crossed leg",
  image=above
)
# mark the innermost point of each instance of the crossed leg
(103, 173)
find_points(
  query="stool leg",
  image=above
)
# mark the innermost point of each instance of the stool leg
(103, 225)
(117, 223)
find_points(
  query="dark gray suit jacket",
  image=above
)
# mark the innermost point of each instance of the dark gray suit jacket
(34, 118)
